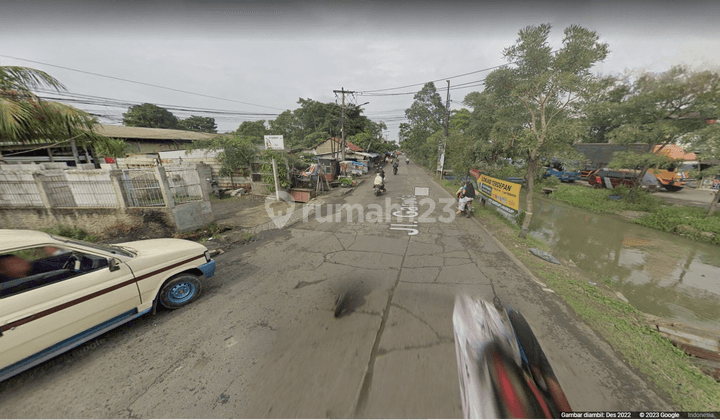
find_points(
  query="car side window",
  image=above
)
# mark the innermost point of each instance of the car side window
(31, 268)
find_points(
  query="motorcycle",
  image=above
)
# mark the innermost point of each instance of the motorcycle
(468, 209)
(503, 370)
(407, 161)
(378, 189)
(395, 168)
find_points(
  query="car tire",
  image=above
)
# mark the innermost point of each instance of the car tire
(180, 291)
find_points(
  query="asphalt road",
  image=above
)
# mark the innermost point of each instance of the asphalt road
(262, 341)
(689, 197)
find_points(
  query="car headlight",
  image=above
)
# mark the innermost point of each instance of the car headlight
(207, 256)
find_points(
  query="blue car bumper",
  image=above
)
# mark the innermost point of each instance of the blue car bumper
(208, 269)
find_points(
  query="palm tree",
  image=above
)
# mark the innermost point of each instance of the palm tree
(27, 119)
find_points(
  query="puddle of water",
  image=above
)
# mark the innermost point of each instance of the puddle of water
(659, 273)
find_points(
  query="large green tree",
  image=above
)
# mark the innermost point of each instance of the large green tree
(149, 115)
(541, 92)
(425, 117)
(235, 152)
(255, 130)
(315, 121)
(706, 142)
(199, 124)
(26, 119)
(661, 109)
(461, 146)
(287, 125)
(602, 110)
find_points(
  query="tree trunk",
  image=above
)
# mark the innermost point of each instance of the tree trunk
(714, 203)
(635, 192)
(94, 155)
(531, 173)
(73, 146)
(87, 155)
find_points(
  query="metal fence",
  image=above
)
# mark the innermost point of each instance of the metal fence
(142, 188)
(18, 192)
(184, 184)
(100, 188)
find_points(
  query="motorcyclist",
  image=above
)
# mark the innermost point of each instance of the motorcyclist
(395, 167)
(380, 180)
(465, 194)
(407, 160)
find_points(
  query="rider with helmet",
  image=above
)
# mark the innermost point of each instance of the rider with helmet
(380, 180)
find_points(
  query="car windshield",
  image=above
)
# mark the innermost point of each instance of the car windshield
(106, 248)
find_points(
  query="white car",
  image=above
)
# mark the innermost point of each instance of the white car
(57, 293)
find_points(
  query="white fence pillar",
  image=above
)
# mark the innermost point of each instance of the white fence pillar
(41, 188)
(164, 187)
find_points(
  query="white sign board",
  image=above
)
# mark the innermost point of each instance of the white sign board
(274, 142)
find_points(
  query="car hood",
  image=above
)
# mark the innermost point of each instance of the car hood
(161, 252)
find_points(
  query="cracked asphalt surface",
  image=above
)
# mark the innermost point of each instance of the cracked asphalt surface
(262, 341)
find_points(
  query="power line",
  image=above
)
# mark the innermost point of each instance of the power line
(364, 92)
(374, 92)
(120, 103)
(139, 83)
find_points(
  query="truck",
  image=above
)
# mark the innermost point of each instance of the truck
(556, 169)
(599, 155)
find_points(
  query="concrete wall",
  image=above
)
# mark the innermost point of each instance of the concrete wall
(117, 217)
(112, 223)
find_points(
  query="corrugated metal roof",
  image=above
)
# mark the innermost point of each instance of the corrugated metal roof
(123, 132)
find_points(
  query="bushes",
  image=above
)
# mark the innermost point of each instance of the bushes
(71, 232)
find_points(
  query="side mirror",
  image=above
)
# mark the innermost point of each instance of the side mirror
(114, 264)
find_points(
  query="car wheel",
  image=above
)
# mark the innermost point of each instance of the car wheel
(180, 291)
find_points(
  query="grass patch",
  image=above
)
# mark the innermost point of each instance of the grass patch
(626, 329)
(598, 199)
(208, 231)
(684, 220)
(72, 232)
(688, 221)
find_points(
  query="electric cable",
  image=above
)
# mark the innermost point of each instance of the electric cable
(136, 82)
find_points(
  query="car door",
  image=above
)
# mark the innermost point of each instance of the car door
(53, 307)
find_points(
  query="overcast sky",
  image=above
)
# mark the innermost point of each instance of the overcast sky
(249, 60)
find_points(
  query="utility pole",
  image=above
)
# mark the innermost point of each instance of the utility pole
(447, 124)
(342, 107)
